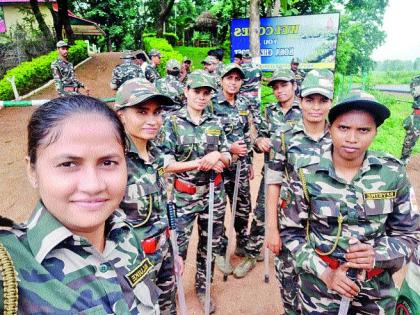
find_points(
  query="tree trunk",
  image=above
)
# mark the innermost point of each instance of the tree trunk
(276, 8)
(64, 21)
(254, 30)
(46, 33)
(166, 8)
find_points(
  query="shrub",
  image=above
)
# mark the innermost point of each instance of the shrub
(172, 38)
(31, 74)
(165, 49)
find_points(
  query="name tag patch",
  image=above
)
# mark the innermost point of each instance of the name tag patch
(137, 275)
(243, 113)
(380, 195)
(213, 132)
(161, 171)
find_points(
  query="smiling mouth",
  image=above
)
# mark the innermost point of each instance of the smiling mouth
(92, 204)
(350, 149)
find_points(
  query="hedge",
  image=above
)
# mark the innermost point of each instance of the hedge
(165, 49)
(32, 74)
(172, 38)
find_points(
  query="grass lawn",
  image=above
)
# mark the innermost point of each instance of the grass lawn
(387, 77)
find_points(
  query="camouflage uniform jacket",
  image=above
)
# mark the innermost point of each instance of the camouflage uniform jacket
(144, 202)
(300, 75)
(184, 140)
(234, 119)
(170, 86)
(253, 76)
(375, 208)
(292, 149)
(275, 119)
(151, 73)
(125, 72)
(63, 74)
(62, 273)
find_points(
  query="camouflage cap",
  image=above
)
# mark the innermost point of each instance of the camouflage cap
(247, 55)
(186, 59)
(282, 75)
(61, 44)
(137, 91)
(415, 86)
(173, 65)
(154, 52)
(295, 60)
(210, 60)
(200, 78)
(318, 82)
(360, 100)
(127, 55)
(232, 67)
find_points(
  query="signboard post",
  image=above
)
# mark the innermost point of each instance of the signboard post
(311, 38)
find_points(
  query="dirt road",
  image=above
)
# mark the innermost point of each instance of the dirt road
(249, 296)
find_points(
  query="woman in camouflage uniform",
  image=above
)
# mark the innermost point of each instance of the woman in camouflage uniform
(194, 144)
(348, 220)
(138, 105)
(75, 254)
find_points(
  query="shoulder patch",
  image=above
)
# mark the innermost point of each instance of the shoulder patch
(213, 132)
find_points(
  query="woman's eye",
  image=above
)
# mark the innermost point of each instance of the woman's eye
(67, 164)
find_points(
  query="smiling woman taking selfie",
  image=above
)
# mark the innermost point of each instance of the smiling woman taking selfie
(74, 255)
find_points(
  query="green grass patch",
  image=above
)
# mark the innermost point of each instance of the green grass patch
(390, 135)
(198, 54)
(386, 77)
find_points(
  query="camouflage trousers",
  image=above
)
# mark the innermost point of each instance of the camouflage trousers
(256, 234)
(288, 280)
(243, 205)
(412, 127)
(377, 296)
(164, 277)
(190, 207)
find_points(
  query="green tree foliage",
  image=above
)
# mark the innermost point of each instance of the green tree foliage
(120, 19)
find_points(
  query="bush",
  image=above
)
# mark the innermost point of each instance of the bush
(165, 49)
(31, 74)
(172, 38)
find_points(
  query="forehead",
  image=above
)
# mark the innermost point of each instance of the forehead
(234, 72)
(149, 105)
(278, 83)
(355, 118)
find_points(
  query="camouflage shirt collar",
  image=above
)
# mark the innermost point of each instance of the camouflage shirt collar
(45, 232)
(326, 163)
(151, 148)
(416, 103)
(295, 104)
(300, 127)
(221, 99)
(184, 114)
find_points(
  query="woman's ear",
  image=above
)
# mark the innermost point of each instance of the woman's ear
(31, 173)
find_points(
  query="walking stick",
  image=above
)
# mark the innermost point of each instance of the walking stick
(209, 243)
(232, 221)
(171, 210)
(266, 253)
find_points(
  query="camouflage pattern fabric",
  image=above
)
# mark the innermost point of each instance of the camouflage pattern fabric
(234, 119)
(151, 73)
(125, 72)
(184, 140)
(412, 122)
(300, 76)
(144, 208)
(187, 206)
(170, 86)
(64, 76)
(274, 120)
(375, 208)
(253, 76)
(409, 299)
(292, 149)
(412, 128)
(62, 273)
